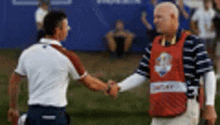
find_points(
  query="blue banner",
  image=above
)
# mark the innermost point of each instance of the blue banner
(89, 20)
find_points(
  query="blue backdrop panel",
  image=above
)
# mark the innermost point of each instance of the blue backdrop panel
(89, 20)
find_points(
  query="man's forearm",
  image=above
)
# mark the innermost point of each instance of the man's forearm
(210, 87)
(185, 14)
(131, 82)
(146, 23)
(99, 85)
(93, 83)
(110, 39)
(13, 91)
(129, 38)
(13, 96)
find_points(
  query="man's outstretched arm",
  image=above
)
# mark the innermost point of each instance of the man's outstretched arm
(131, 82)
(182, 10)
(93, 83)
(140, 75)
(144, 20)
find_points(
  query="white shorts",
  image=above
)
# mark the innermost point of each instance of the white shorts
(190, 117)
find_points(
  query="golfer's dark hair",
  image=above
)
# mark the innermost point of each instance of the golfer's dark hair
(52, 20)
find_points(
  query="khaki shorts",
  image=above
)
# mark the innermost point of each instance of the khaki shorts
(217, 49)
(190, 117)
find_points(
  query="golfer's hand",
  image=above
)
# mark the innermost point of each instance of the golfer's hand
(210, 114)
(13, 116)
(114, 88)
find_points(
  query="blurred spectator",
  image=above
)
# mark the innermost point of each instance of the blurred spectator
(147, 20)
(119, 40)
(204, 29)
(40, 13)
(151, 31)
(216, 22)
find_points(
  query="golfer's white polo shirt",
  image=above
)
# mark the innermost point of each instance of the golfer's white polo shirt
(47, 66)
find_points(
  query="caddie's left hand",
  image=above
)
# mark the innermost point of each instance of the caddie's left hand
(210, 114)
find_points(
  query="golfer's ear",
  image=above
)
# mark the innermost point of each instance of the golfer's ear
(56, 29)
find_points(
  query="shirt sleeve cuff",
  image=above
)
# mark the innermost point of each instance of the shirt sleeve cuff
(84, 75)
(19, 73)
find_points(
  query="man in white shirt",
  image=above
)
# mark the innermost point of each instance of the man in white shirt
(204, 16)
(47, 66)
(40, 13)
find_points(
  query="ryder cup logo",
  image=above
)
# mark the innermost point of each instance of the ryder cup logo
(163, 64)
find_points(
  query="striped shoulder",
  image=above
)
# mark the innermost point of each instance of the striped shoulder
(148, 48)
(192, 41)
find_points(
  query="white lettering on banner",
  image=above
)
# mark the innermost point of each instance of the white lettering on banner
(169, 86)
(35, 2)
(118, 1)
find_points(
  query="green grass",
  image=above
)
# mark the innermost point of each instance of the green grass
(91, 108)
(86, 107)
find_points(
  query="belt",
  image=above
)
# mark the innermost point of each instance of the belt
(51, 107)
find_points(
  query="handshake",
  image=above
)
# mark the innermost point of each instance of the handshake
(112, 89)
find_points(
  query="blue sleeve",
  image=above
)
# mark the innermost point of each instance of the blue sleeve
(202, 61)
(143, 68)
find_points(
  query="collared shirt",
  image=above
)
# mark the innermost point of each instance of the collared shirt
(196, 62)
(47, 66)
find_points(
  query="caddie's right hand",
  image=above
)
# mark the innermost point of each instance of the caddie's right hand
(114, 88)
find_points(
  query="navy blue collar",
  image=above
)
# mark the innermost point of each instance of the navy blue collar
(178, 34)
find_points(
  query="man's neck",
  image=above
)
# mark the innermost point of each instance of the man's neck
(169, 37)
(52, 37)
